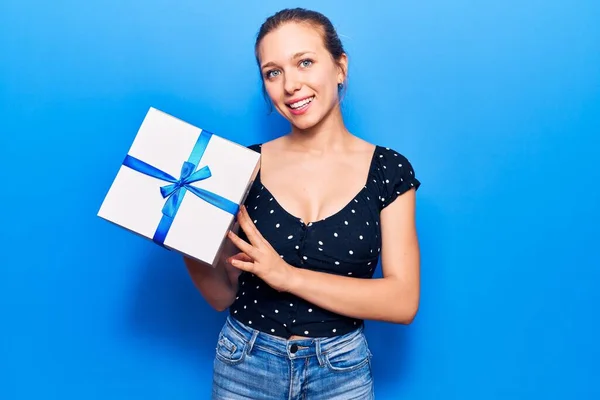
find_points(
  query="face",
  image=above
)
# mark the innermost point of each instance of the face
(300, 76)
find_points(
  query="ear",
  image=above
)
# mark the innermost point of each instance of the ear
(342, 68)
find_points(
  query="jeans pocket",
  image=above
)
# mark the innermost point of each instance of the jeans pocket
(231, 348)
(349, 356)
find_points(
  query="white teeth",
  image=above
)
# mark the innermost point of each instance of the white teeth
(301, 103)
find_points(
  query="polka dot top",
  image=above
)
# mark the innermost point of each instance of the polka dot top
(347, 243)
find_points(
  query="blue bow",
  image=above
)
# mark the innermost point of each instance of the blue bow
(175, 192)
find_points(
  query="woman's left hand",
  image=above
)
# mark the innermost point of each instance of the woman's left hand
(258, 257)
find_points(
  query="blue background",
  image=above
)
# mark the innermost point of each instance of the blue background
(496, 104)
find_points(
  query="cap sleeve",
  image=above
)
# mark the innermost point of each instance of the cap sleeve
(397, 176)
(256, 147)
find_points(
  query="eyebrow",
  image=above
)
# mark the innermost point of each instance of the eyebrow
(296, 55)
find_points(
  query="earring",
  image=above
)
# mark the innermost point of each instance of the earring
(340, 86)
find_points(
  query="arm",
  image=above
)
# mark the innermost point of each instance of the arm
(218, 285)
(393, 298)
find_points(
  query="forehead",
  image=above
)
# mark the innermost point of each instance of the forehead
(289, 39)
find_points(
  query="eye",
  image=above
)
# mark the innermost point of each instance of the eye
(272, 73)
(306, 63)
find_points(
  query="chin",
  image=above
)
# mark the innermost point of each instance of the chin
(307, 121)
(304, 123)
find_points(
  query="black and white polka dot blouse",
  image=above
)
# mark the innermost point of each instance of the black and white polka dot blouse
(347, 243)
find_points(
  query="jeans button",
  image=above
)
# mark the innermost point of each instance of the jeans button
(293, 348)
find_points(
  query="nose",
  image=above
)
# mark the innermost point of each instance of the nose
(291, 85)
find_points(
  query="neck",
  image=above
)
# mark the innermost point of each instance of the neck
(330, 134)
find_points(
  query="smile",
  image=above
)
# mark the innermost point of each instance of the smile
(301, 103)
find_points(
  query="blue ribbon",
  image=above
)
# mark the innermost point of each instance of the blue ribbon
(175, 192)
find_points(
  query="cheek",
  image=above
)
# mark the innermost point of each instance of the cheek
(326, 85)
(271, 90)
(275, 93)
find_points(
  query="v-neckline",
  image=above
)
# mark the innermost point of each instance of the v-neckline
(333, 215)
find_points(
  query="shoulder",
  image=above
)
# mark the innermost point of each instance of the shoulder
(392, 160)
(394, 173)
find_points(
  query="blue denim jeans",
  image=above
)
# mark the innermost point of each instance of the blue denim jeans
(254, 365)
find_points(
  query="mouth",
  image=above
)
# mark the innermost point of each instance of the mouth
(300, 105)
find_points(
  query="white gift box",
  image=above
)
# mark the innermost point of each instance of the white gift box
(190, 218)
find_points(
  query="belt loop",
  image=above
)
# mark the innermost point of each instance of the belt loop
(320, 356)
(252, 340)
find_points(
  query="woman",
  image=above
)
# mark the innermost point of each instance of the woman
(324, 207)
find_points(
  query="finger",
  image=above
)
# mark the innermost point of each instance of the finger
(241, 244)
(241, 257)
(249, 228)
(243, 265)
